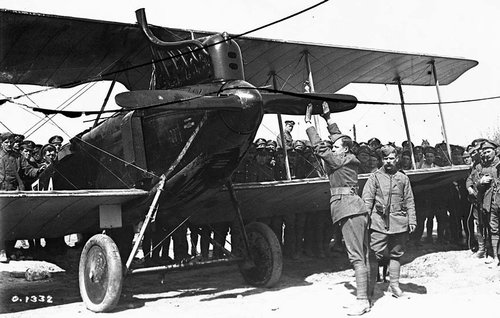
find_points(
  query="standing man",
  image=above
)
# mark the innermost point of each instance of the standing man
(346, 206)
(488, 190)
(388, 195)
(472, 188)
(287, 131)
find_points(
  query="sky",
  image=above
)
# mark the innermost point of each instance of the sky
(449, 28)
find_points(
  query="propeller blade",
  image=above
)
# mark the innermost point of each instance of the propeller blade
(176, 100)
(296, 103)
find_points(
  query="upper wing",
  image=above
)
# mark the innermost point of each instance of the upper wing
(60, 51)
(34, 214)
(334, 67)
(264, 199)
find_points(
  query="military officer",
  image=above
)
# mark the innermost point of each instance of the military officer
(389, 197)
(488, 189)
(287, 133)
(472, 188)
(56, 141)
(346, 206)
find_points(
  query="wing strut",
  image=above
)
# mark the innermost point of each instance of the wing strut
(406, 122)
(282, 135)
(441, 111)
(152, 209)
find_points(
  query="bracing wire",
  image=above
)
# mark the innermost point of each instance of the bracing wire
(204, 47)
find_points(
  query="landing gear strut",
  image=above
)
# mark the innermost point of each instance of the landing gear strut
(101, 275)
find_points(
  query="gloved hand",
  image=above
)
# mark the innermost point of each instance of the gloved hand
(326, 111)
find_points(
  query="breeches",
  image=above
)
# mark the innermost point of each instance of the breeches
(356, 237)
(394, 243)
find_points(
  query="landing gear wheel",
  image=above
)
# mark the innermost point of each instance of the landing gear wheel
(265, 252)
(100, 274)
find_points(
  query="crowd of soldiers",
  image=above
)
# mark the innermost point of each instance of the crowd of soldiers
(301, 233)
(21, 163)
(312, 234)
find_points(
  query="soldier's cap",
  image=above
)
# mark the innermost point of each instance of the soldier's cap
(260, 143)
(271, 145)
(418, 148)
(37, 147)
(289, 122)
(374, 139)
(387, 150)
(335, 137)
(478, 141)
(299, 144)
(364, 149)
(56, 140)
(47, 147)
(405, 144)
(18, 138)
(466, 154)
(473, 148)
(429, 150)
(28, 144)
(6, 135)
(488, 145)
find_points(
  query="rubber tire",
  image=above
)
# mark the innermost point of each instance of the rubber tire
(265, 251)
(102, 248)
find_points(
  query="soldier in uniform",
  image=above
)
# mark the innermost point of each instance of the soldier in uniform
(364, 159)
(406, 163)
(389, 197)
(56, 141)
(418, 152)
(287, 133)
(429, 158)
(346, 206)
(488, 189)
(12, 167)
(472, 188)
(16, 143)
(374, 143)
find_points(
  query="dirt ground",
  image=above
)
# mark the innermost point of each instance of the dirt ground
(438, 280)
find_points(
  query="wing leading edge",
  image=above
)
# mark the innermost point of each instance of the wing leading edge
(60, 51)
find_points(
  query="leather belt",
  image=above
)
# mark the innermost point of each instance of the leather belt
(344, 191)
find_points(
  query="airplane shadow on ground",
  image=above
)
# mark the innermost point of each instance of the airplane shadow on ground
(207, 284)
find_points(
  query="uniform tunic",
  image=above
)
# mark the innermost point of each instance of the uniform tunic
(489, 190)
(342, 171)
(402, 205)
(401, 208)
(12, 167)
(288, 140)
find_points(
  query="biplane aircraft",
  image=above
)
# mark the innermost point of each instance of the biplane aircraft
(194, 104)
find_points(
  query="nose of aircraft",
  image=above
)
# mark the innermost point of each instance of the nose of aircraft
(246, 120)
